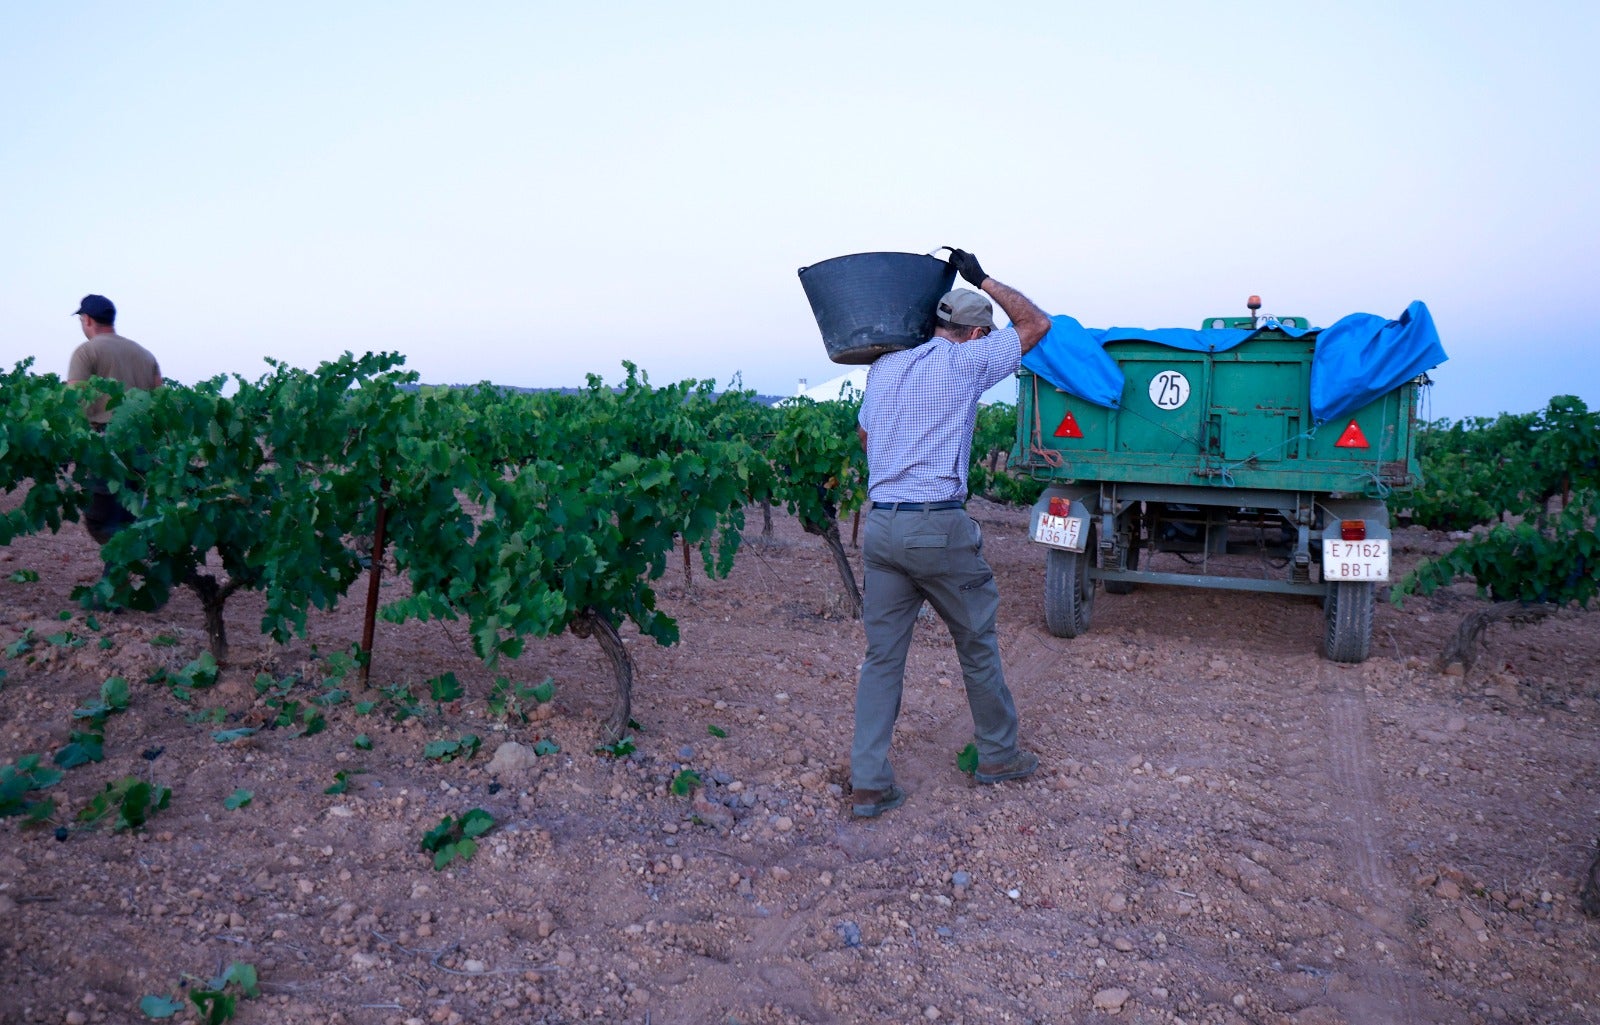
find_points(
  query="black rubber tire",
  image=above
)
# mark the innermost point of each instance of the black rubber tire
(1068, 591)
(1125, 586)
(1347, 621)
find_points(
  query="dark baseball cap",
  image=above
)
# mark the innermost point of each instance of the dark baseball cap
(97, 308)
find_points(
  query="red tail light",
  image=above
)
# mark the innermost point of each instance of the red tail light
(1353, 530)
(1060, 507)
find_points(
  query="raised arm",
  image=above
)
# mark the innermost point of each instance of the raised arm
(1030, 321)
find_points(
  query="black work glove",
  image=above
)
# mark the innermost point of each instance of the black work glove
(967, 266)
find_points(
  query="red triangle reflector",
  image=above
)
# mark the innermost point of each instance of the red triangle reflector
(1352, 438)
(1069, 427)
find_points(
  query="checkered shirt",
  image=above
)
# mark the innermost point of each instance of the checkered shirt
(919, 411)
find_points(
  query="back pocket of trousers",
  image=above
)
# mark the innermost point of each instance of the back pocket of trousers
(927, 553)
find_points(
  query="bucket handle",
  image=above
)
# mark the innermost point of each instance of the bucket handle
(936, 256)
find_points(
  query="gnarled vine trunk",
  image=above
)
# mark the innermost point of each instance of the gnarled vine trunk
(590, 623)
(1589, 894)
(374, 587)
(213, 597)
(1462, 648)
(829, 533)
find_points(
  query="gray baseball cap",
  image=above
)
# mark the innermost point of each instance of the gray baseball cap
(965, 308)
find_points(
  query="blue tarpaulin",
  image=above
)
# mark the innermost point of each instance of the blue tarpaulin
(1358, 359)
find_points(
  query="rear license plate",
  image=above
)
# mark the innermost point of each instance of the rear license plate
(1060, 532)
(1355, 560)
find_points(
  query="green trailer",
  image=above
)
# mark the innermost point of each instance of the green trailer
(1212, 454)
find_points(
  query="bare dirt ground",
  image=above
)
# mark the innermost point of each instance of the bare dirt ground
(1227, 828)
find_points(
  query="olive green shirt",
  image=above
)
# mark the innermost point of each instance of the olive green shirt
(121, 359)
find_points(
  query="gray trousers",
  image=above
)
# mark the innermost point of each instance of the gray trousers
(937, 556)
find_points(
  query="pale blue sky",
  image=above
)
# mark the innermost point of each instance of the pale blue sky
(525, 192)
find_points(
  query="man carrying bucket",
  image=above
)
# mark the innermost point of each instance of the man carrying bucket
(916, 425)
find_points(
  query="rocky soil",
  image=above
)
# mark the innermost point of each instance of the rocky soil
(1227, 828)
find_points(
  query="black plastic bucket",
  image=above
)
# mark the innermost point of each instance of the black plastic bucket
(868, 304)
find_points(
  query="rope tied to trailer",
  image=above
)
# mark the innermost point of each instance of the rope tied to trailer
(1225, 470)
(1036, 445)
(1376, 473)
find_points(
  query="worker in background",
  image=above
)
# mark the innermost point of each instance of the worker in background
(916, 425)
(104, 353)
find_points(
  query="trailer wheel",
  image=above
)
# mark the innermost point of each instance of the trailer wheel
(1347, 621)
(1068, 591)
(1125, 586)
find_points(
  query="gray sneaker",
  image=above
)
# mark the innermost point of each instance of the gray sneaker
(1019, 766)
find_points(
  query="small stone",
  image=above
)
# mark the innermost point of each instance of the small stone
(1239, 1000)
(685, 753)
(77, 1018)
(1122, 944)
(712, 814)
(1455, 725)
(475, 967)
(850, 933)
(961, 879)
(1447, 890)
(1116, 903)
(783, 823)
(780, 874)
(511, 758)
(931, 1013)
(669, 827)
(1111, 999)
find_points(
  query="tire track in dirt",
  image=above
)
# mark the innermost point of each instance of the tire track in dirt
(1355, 801)
(1326, 758)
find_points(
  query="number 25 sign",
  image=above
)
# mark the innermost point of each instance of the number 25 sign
(1169, 390)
